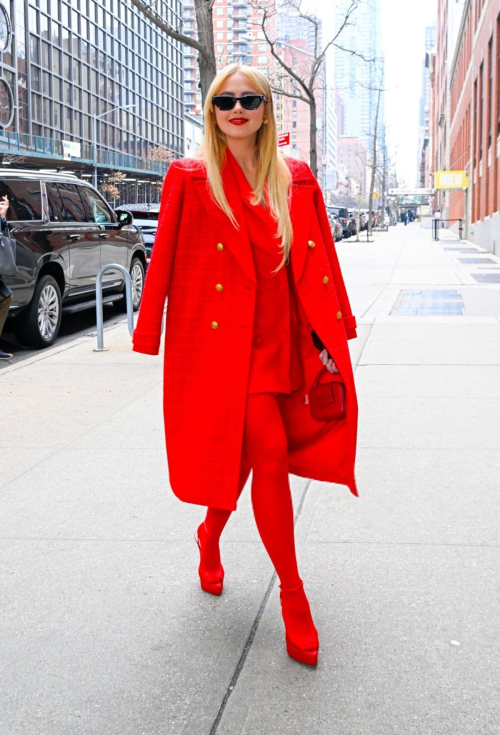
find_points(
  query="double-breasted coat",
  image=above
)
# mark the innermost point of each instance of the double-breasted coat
(206, 268)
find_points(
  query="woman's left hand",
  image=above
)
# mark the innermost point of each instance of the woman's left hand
(328, 362)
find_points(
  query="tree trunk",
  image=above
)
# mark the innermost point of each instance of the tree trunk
(313, 161)
(374, 168)
(206, 61)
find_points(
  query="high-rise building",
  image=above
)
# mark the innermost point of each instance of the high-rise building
(358, 78)
(424, 109)
(351, 154)
(74, 74)
(298, 46)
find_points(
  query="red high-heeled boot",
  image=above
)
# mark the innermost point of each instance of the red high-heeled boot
(302, 643)
(211, 582)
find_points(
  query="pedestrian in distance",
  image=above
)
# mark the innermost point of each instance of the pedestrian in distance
(245, 253)
(5, 292)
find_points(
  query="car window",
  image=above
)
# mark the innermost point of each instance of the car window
(97, 209)
(72, 203)
(56, 209)
(25, 199)
(151, 216)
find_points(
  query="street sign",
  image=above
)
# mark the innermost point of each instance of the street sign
(71, 149)
(376, 195)
(451, 180)
(283, 139)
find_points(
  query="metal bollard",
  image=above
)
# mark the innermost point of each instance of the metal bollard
(128, 296)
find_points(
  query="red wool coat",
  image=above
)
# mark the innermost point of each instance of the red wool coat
(209, 332)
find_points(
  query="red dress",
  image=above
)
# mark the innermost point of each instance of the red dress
(274, 362)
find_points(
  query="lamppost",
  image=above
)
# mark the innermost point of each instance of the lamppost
(94, 135)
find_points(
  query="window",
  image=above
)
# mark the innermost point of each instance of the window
(72, 203)
(56, 210)
(490, 89)
(24, 198)
(481, 109)
(498, 75)
(219, 23)
(97, 209)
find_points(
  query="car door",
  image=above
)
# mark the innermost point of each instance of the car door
(115, 244)
(84, 248)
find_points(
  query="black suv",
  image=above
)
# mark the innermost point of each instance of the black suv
(65, 232)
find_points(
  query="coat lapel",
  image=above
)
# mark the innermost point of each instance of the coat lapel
(301, 209)
(237, 241)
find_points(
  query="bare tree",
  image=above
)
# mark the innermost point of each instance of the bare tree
(305, 81)
(204, 44)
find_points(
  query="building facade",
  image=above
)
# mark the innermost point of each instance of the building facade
(88, 83)
(352, 156)
(424, 109)
(475, 121)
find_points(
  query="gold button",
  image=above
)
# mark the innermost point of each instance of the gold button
(311, 243)
(219, 287)
(339, 314)
(215, 325)
(325, 280)
(220, 246)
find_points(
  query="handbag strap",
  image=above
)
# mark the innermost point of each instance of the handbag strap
(334, 377)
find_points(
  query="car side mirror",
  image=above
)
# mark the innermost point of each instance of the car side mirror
(125, 218)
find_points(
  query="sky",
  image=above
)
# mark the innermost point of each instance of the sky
(403, 42)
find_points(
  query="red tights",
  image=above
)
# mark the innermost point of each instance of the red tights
(265, 452)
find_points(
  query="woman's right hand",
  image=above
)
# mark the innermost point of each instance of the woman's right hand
(4, 205)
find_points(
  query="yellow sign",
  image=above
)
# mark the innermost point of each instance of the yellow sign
(376, 195)
(451, 180)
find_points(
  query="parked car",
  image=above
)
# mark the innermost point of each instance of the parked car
(354, 222)
(145, 219)
(335, 227)
(343, 216)
(65, 232)
(363, 219)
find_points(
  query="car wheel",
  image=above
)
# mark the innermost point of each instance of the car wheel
(38, 326)
(137, 278)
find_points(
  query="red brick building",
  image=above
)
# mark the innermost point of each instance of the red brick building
(475, 120)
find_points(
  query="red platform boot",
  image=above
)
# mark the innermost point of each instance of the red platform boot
(211, 581)
(302, 642)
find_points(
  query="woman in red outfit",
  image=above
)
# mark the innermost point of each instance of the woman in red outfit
(253, 300)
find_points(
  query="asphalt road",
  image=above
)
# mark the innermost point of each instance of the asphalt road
(72, 326)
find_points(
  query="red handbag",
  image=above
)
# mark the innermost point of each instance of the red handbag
(327, 400)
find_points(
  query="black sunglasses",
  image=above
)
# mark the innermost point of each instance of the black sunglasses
(248, 101)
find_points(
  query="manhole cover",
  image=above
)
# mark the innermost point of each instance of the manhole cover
(477, 260)
(487, 277)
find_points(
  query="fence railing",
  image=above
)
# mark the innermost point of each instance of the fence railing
(22, 144)
(443, 224)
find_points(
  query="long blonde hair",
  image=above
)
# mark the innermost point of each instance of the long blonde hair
(273, 176)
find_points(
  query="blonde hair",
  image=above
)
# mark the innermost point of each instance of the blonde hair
(273, 176)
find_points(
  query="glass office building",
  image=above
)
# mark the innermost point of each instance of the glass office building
(64, 64)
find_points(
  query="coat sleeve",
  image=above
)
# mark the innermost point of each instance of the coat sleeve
(349, 318)
(147, 334)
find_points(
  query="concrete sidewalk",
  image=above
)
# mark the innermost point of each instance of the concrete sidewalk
(104, 629)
